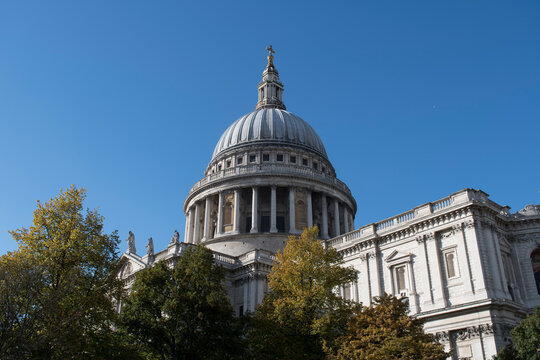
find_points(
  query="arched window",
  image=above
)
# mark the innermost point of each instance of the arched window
(535, 262)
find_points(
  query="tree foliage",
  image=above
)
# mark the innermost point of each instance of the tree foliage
(182, 312)
(525, 340)
(302, 315)
(62, 300)
(384, 331)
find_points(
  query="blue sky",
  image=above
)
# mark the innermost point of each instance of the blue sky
(414, 100)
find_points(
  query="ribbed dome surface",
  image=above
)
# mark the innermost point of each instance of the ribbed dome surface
(273, 126)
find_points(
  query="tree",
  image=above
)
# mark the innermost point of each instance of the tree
(19, 289)
(182, 312)
(301, 316)
(384, 331)
(525, 340)
(64, 304)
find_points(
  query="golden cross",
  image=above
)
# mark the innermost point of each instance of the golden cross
(269, 48)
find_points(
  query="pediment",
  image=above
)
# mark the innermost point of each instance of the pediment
(398, 256)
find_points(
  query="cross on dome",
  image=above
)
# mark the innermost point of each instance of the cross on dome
(270, 89)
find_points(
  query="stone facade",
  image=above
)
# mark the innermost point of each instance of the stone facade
(466, 264)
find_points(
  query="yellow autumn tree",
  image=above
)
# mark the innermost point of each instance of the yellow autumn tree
(302, 315)
(66, 307)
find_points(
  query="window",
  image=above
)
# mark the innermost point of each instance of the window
(315, 165)
(450, 260)
(219, 167)
(347, 292)
(228, 164)
(239, 160)
(279, 157)
(535, 262)
(400, 273)
(323, 169)
(252, 158)
(292, 159)
(304, 162)
(266, 157)
(241, 310)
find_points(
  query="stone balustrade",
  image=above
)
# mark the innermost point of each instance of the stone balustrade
(408, 217)
(274, 169)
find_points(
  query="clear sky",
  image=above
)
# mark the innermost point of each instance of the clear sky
(414, 100)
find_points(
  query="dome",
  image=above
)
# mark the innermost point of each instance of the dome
(270, 126)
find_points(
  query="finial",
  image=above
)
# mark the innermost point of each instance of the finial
(270, 56)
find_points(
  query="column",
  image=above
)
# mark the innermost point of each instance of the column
(220, 215)
(346, 219)
(464, 259)
(186, 228)
(236, 226)
(433, 255)
(254, 203)
(196, 225)
(207, 224)
(499, 263)
(189, 226)
(309, 210)
(368, 278)
(377, 272)
(292, 220)
(488, 242)
(336, 217)
(273, 210)
(324, 225)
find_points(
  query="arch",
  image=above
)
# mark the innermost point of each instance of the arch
(535, 263)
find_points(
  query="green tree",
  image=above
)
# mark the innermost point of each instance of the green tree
(525, 340)
(64, 304)
(384, 331)
(183, 312)
(301, 316)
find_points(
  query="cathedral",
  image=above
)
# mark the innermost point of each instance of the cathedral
(467, 265)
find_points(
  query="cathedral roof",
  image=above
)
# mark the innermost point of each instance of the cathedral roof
(271, 126)
(270, 123)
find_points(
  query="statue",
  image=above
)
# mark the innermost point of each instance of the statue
(150, 248)
(175, 238)
(270, 56)
(131, 243)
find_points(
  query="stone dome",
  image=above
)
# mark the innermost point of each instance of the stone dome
(271, 126)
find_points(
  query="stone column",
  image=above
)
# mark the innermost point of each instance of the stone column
(324, 225)
(206, 230)
(434, 257)
(292, 220)
(336, 217)
(236, 226)
(309, 210)
(346, 219)
(273, 210)
(189, 226)
(254, 210)
(196, 225)
(463, 254)
(220, 214)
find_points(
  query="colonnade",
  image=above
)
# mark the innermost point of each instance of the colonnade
(266, 209)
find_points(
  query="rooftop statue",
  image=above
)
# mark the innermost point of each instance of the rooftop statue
(150, 247)
(175, 238)
(131, 243)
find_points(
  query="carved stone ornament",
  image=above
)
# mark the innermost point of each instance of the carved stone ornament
(442, 336)
(475, 331)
